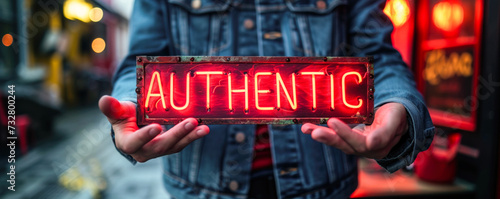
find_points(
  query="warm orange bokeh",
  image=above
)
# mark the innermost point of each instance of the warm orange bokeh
(448, 16)
(98, 45)
(96, 14)
(7, 40)
(398, 11)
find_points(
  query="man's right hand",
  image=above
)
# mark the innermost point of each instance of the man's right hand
(147, 142)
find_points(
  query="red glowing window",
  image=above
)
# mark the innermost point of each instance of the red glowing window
(254, 90)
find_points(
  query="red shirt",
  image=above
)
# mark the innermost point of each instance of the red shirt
(262, 149)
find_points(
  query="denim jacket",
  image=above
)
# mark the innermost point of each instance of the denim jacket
(219, 165)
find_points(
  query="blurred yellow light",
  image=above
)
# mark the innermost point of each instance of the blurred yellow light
(7, 40)
(98, 45)
(96, 14)
(447, 16)
(77, 9)
(398, 11)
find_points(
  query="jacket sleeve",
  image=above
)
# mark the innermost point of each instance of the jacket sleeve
(148, 36)
(370, 34)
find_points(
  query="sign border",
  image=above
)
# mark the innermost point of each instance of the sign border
(142, 61)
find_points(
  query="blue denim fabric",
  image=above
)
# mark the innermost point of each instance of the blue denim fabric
(303, 168)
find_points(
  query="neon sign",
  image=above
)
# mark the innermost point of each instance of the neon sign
(254, 90)
(440, 67)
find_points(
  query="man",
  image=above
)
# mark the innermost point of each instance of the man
(307, 161)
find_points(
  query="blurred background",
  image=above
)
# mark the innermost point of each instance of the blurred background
(61, 55)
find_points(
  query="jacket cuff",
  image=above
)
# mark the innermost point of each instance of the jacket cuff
(416, 140)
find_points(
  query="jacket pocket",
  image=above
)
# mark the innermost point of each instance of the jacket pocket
(315, 27)
(199, 27)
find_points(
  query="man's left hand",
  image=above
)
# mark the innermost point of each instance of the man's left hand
(371, 141)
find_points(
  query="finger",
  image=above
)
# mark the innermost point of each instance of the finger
(381, 135)
(167, 140)
(391, 124)
(356, 140)
(116, 110)
(329, 137)
(131, 142)
(195, 134)
(307, 128)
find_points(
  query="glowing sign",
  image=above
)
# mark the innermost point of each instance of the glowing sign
(254, 90)
(440, 67)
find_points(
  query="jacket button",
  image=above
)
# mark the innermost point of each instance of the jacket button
(248, 24)
(288, 170)
(321, 4)
(233, 185)
(239, 137)
(196, 4)
(272, 35)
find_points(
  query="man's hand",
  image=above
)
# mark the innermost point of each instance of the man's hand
(147, 142)
(372, 141)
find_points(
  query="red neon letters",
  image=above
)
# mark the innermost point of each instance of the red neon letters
(156, 82)
(246, 92)
(344, 88)
(230, 92)
(172, 92)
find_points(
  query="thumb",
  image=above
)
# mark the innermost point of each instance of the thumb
(390, 126)
(116, 110)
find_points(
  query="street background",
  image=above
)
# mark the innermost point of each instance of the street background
(80, 161)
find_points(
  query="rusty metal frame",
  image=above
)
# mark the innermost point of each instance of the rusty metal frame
(143, 61)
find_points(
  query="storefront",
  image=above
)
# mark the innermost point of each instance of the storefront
(452, 48)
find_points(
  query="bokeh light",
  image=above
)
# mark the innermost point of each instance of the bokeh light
(448, 16)
(96, 14)
(98, 45)
(398, 11)
(77, 9)
(7, 40)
